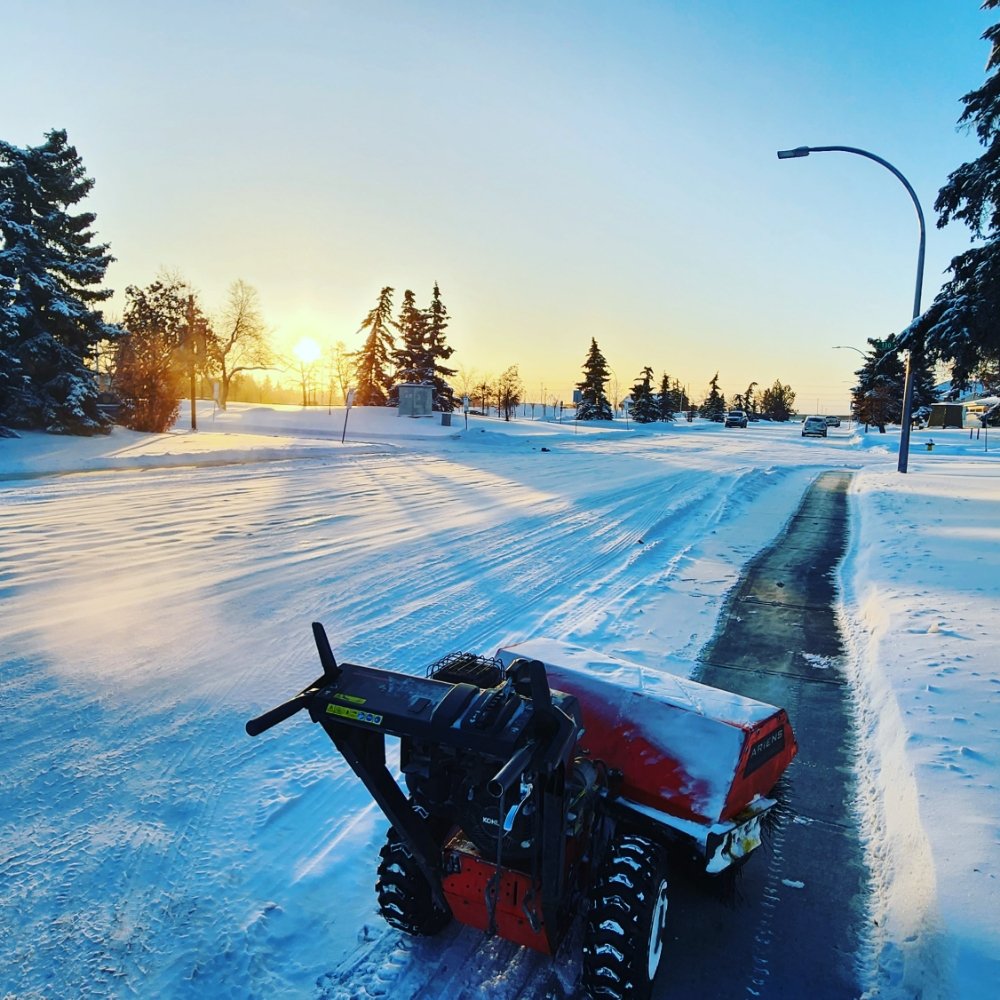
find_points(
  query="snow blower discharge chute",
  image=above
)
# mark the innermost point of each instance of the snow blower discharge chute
(548, 782)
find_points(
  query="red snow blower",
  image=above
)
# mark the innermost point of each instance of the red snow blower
(548, 781)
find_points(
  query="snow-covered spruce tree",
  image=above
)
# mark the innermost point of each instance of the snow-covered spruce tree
(49, 270)
(645, 406)
(594, 403)
(714, 405)
(11, 374)
(925, 383)
(410, 356)
(438, 351)
(374, 379)
(667, 400)
(962, 325)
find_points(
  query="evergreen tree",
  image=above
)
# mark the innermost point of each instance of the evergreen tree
(12, 375)
(877, 399)
(438, 351)
(714, 405)
(594, 403)
(667, 402)
(988, 376)
(777, 402)
(372, 369)
(681, 401)
(750, 399)
(962, 325)
(509, 391)
(410, 356)
(645, 406)
(49, 270)
(924, 382)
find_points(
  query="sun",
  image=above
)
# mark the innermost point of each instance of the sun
(306, 350)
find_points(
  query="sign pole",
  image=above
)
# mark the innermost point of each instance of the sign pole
(347, 412)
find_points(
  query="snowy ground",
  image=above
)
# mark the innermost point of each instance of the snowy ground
(156, 591)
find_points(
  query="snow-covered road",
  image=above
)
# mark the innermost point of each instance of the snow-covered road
(156, 591)
(150, 847)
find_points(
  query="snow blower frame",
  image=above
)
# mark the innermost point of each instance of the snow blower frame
(527, 804)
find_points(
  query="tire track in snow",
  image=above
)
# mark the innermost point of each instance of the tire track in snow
(533, 562)
(107, 946)
(447, 975)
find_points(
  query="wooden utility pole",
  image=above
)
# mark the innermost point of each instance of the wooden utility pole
(192, 341)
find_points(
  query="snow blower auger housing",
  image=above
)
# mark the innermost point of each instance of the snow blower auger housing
(547, 781)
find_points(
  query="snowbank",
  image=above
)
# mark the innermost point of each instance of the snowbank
(920, 616)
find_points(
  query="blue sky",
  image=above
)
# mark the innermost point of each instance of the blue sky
(563, 170)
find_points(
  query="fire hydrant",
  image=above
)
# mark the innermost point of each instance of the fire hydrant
(930, 445)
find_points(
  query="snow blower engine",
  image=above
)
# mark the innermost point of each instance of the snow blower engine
(546, 782)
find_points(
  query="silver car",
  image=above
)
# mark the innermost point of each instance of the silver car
(814, 427)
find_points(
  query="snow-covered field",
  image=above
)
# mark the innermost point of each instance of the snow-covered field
(156, 591)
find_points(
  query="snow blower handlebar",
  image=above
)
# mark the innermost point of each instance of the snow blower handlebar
(275, 715)
(286, 710)
(480, 748)
(511, 772)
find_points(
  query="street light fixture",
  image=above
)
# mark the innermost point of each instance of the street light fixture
(857, 350)
(792, 154)
(800, 151)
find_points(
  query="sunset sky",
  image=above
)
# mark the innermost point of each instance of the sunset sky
(562, 170)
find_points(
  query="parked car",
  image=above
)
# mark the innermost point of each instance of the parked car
(814, 427)
(832, 420)
(736, 418)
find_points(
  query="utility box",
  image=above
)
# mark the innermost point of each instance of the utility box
(415, 400)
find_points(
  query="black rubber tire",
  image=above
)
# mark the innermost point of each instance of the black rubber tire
(404, 894)
(623, 941)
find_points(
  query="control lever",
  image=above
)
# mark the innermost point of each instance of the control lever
(508, 820)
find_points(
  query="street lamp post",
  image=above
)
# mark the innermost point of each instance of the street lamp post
(799, 151)
(847, 347)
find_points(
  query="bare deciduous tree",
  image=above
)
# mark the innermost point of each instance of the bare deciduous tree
(341, 364)
(485, 389)
(240, 343)
(466, 380)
